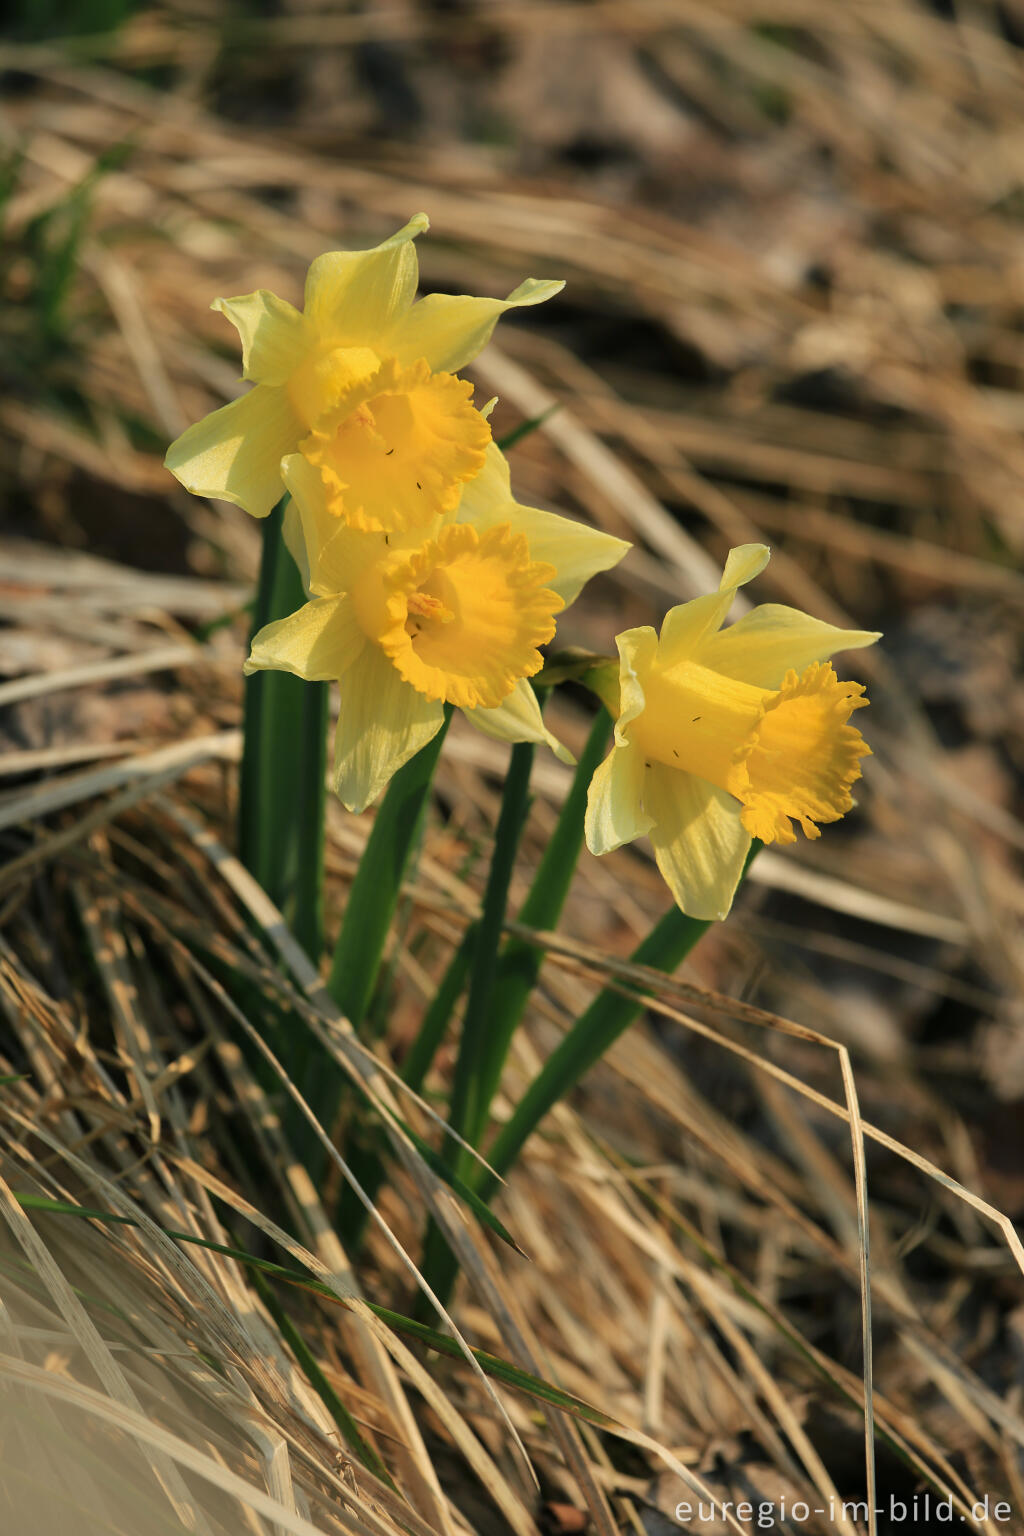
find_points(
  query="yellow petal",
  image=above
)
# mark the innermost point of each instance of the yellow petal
(235, 453)
(320, 642)
(450, 330)
(743, 563)
(518, 718)
(765, 644)
(272, 332)
(686, 628)
(355, 296)
(576, 550)
(637, 649)
(615, 801)
(383, 722)
(334, 555)
(699, 841)
(295, 542)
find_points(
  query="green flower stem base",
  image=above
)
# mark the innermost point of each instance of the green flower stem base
(282, 782)
(519, 962)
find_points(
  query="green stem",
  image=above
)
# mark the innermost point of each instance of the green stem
(520, 961)
(435, 1021)
(282, 787)
(368, 1165)
(310, 814)
(595, 1031)
(468, 1109)
(357, 957)
(378, 882)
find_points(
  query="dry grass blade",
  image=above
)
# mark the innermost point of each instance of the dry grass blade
(159, 659)
(164, 1448)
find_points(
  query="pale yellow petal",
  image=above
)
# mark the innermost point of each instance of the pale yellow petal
(637, 650)
(576, 550)
(688, 626)
(354, 297)
(698, 838)
(518, 718)
(273, 334)
(295, 543)
(383, 722)
(744, 563)
(615, 801)
(235, 454)
(762, 646)
(449, 330)
(320, 642)
(334, 554)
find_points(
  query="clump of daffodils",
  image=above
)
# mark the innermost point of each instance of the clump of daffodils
(724, 735)
(430, 585)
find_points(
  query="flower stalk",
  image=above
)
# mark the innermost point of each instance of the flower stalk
(378, 881)
(519, 963)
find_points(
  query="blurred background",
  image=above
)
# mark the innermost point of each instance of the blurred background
(793, 238)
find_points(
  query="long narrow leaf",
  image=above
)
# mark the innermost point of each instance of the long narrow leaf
(519, 962)
(375, 889)
(594, 1032)
(282, 787)
(468, 1112)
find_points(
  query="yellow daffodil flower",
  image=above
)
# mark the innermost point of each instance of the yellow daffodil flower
(724, 735)
(362, 382)
(408, 621)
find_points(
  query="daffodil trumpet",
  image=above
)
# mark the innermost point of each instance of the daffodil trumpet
(724, 735)
(362, 383)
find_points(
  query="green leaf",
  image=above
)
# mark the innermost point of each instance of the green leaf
(465, 1191)
(350, 1430)
(526, 427)
(65, 1208)
(375, 889)
(282, 790)
(595, 1031)
(520, 961)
